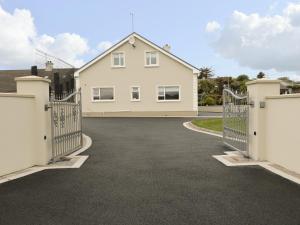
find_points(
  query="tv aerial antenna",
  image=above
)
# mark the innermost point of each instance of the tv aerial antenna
(132, 21)
(54, 59)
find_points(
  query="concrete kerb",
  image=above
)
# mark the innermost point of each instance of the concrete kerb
(227, 161)
(72, 161)
(192, 127)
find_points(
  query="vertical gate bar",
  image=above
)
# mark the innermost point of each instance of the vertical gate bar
(80, 118)
(52, 130)
(67, 127)
(61, 130)
(224, 97)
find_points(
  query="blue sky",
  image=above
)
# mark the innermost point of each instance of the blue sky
(182, 24)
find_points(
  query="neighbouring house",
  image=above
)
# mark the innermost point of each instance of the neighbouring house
(136, 77)
(62, 79)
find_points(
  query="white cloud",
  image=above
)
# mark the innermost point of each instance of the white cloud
(212, 26)
(263, 42)
(66, 46)
(104, 45)
(19, 38)
(292, 12)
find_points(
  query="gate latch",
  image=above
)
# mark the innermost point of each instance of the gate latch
(262, 105)
(47, 106)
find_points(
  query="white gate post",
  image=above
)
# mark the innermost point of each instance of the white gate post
(39, 87)
(258, 90)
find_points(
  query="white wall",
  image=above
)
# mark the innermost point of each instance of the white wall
(25, 132)
(258, 90)
(276, 125)
(17, 139)
(282, 131)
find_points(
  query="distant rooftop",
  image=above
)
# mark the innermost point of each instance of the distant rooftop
(7, 77)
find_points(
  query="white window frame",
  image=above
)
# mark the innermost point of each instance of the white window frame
(157, 58)
(130, 91)
(103, 100)
(112, 60)
(168, 100)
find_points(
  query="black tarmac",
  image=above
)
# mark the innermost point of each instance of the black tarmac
(150, 171)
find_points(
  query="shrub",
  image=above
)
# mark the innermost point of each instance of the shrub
(209, 100)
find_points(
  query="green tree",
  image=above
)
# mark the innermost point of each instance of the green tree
(209, 100)
(261, 75)
(243, 77)
(205, 73)
(206, 86)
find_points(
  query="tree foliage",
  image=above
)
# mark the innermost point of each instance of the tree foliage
(205, 73)
(261, 75)
(210, 90)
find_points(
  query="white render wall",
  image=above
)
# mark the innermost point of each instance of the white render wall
(17, 139)
(25, 134)
(276, 125)
(282, 131)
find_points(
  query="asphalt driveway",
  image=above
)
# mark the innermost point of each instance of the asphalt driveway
(150, 171)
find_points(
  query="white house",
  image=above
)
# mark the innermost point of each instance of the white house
(135, 77)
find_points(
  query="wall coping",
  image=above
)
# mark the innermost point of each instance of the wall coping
(15, 95)
(263, 81)
(283, 96)
(32, 78)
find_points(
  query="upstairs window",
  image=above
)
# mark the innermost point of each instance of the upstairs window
(103, 94)
(168, 93)
(118, 59)
(135, 94)
(151, 58)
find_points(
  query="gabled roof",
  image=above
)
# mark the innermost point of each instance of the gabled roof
(126, 39)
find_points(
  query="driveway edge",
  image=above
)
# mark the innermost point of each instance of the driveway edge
(192, 127)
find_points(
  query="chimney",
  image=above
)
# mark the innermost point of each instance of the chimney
(34, 71)
(167, 47)
(49, 66)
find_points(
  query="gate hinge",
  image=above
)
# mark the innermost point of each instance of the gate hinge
(47, 106)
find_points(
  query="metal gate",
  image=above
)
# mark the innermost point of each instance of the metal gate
(236, 121)
(66, 125)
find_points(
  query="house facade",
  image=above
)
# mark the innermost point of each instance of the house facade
(135, 77)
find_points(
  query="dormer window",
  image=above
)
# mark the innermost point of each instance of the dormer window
(118, 59)
(151, 58)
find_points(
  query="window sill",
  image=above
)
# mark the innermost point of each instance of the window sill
(162, 101)
(133, 100)
(97, 101)
(117, 67)
(149, 66)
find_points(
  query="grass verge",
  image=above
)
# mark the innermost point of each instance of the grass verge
(215, 124)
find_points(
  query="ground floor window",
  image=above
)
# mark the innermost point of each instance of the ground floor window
(103, 94)
(135, 94)
(168, 93)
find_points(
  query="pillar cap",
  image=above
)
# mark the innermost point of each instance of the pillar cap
(32, 78)
(263, 81)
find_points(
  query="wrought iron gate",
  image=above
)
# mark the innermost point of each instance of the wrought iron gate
(66, 125)
(236, 121)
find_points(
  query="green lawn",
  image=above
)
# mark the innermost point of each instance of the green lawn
(215, 124)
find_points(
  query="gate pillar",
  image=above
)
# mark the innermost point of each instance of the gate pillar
(39, 87)
(258, 90)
